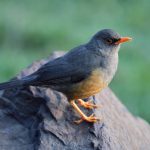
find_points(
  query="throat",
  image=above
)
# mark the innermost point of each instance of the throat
(109, 66)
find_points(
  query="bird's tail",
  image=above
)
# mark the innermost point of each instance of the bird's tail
(10, 84)
(26, 81)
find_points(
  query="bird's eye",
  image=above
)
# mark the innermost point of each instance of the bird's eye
(109, 41)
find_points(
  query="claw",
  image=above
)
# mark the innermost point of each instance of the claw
(78, 121)
(88, 104)
(91, 119)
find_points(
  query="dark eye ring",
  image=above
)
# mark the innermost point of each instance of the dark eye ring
(109, 41)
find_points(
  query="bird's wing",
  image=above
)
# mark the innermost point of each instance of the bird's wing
(58, 72)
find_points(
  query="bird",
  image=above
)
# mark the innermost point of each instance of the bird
(80, 73)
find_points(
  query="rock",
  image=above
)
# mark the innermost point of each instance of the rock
(35, 118)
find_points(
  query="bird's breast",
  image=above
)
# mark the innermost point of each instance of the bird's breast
(88, 87)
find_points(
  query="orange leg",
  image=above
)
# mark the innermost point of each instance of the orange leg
(91, 118)
(88, 104)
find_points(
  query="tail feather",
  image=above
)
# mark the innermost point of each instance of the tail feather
(10, 84)
(26, 81)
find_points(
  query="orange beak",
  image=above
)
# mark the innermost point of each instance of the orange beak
(123, 39)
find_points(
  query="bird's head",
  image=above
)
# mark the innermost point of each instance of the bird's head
(108, 41)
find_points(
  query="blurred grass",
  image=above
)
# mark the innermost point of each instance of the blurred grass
(31, 29)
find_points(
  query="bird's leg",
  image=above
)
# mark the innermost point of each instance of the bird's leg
(90, 118)
(88, 104)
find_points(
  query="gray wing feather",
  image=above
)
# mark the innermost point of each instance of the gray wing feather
(63, 70)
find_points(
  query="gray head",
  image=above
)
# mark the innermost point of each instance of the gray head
(107, 41)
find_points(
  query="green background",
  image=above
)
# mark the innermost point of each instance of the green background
(32, 29)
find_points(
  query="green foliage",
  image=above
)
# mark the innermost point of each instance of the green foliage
(31, 29)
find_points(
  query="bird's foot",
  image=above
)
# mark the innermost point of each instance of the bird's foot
(88, 104)
(91, 119)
